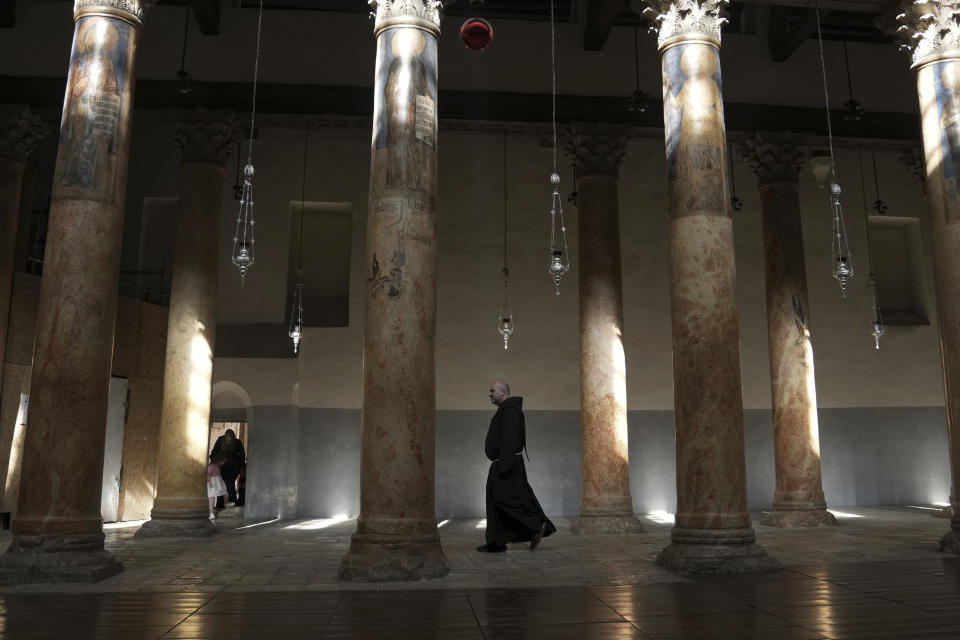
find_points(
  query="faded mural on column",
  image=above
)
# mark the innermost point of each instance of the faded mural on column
(695, 140)
(946, 81)
(93, 106)
(404, 152)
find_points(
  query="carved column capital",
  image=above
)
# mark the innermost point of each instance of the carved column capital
(419, 13)
(775, 156)
(20, 131)
(132, 8)
(206, 136)
(698, 18)
(929, 28)
(597, 147)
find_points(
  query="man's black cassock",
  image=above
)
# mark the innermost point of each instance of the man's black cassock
(513, 513)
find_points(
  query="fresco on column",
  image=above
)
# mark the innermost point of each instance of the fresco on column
(93, 109)
(946, 80)
(693, 114)
(404, 158)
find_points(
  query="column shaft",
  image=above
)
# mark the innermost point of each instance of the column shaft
(396, 537)
(605, 506)
(20, 131)
(798, 500)
(59, 503)
(180, 507)
(712, 531)
(938, 87)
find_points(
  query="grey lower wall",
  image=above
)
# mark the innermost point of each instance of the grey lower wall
(306, 462)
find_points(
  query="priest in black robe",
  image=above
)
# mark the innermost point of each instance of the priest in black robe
(513, 512)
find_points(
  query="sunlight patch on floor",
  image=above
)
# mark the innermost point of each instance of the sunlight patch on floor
(318, 523)
(660, 517)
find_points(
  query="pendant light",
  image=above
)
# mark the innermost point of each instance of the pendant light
(244, 243)
(505, 326)
(559, 260)
(876, 323)
(839, 244)
(295, 332)
(852, 110)
(639, 100)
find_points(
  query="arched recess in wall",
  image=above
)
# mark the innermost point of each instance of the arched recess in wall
(230, 401)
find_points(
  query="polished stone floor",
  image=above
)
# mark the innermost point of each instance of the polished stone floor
(877, 575)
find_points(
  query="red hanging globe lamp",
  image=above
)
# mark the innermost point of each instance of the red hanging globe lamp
(476, 33)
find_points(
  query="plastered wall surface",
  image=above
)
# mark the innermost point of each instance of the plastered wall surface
(307, 463)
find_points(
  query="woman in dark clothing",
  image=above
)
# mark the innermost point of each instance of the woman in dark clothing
(232, 448)
(513, 512)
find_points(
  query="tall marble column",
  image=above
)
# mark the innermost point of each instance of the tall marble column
(180, 507)
(798, 499)
(605, 505)
(20, 131)
(396, 537)
(712, 531)
(932, 36)
(57, 530)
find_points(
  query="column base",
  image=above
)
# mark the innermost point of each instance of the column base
(606, 525)
(57, 559)
(715, 551)
(380, 558)
(796, 518)
(951, 539)
(177, 523)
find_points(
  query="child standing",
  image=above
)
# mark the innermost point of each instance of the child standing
(215, 484)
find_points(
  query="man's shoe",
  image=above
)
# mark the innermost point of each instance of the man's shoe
(538, 536)
(492, 548)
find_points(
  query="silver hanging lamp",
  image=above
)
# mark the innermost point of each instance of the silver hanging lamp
(244, 244)
(559, 260)
(505, 326)
(876, 323)
(839, 245)
(295, 332)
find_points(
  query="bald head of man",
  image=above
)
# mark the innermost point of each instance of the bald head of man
(499, 391)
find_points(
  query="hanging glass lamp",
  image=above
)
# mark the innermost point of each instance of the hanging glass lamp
(505, 320)
(559, 255)
(296, 312)
(244, 250)
(842, 264)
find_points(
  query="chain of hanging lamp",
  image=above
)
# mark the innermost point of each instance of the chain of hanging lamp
(839, 246)
(505, 326)
(296, 310)
(244, 243)
(559, 263)
(876, 324)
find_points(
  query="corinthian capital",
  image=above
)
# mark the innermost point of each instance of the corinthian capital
(671, 18)
(383, 11)
(133, 7)
(775, 157)
(597, 148)
(206, 136)
(929, 28)
(20, 131)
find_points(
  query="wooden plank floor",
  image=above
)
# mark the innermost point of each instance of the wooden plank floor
(913, 599)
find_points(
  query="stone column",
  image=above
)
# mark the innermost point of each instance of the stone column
(605, 506)
(396, 537)
(20, 131)
(57, 530)
(932, 36)
(798, 499)
(180, 507)
(712, 532)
